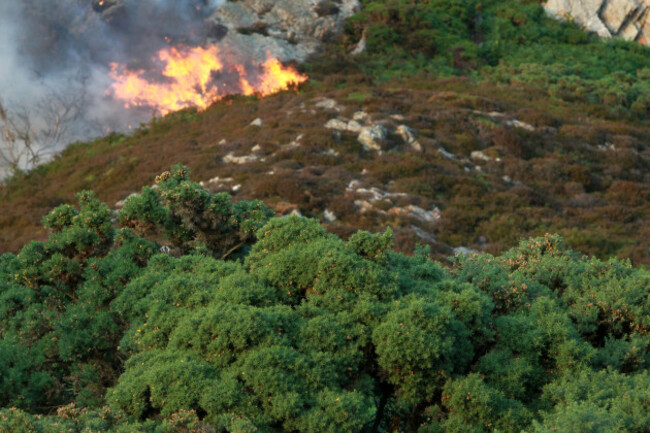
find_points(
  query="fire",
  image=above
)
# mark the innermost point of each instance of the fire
(197, 77)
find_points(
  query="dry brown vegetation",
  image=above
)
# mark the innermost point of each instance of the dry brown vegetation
(578, 173)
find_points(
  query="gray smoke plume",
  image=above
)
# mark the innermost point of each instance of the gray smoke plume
(55, 56)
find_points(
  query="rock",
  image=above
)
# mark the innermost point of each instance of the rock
(615, 13)
(422, 234)
(342, 125)
(607, 146)
(360, 47)
(628, 19)
(328, 104)
(120, 204)
(417, 212)
(416, 146)
(430, 216)
(408, 135)
(230, 158)
(296, 212)
(519, 124)
(368, 198)
(329, 216)
(479, 155)
(284, 29)
(296, 141)
(236, 187)
(336, 124)
(222, 142)
(447, 154)
(353, 185)
(506, 120)
(354, 126)
(464, 251)
(257, 122)
(373, 137)
(256, 148)
(219, 180)
(331, 152)
(644, 37)
(362, 206)
(360, 116)
(373, 194)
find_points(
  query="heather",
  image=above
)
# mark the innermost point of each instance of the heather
(577, 167)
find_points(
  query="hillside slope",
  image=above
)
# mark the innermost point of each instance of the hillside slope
(492, 121)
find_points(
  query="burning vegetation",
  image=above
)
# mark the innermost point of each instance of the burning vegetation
(184, 77)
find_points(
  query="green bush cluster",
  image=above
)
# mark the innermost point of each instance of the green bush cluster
(191, 217)
(58, 331)
(304, 332)
(509, 41)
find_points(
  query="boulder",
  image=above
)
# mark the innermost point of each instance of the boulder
(627, 19)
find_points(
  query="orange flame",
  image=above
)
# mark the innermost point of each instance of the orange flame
(190, 78)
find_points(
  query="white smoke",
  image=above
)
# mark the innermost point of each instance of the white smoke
(58, 52)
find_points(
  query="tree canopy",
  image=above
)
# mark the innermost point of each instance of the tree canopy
(248, 323)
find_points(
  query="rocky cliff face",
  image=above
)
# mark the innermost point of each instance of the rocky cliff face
(627, 19)
(285, 29)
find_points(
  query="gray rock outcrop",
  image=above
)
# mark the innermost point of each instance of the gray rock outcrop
(627, 19)
(284, 29)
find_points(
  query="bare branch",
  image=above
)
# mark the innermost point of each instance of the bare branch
(28, 134)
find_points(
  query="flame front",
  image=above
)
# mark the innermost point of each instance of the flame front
(197, 77)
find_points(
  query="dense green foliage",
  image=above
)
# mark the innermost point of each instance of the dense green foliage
(304, 332)
(507, 41)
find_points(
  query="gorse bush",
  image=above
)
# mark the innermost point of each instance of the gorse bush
(300, 331)
(190, 216)
(59, 332)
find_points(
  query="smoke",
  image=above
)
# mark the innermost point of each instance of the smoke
(60, 50)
